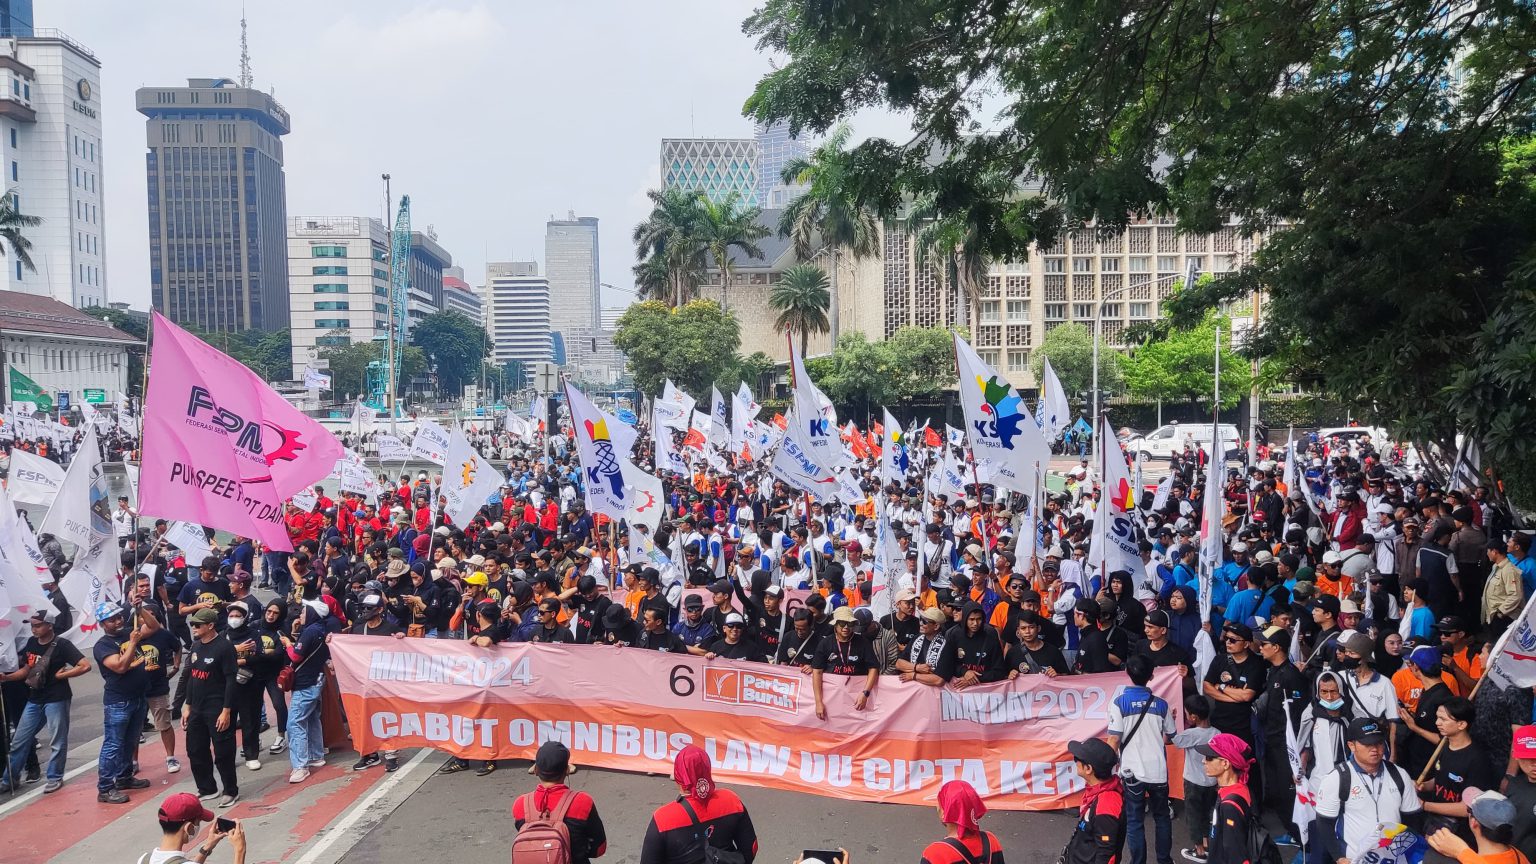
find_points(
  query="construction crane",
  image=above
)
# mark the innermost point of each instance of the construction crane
(383, 373)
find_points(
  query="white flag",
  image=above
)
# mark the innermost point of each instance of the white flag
(122, 404)
(646, 499)
(744, 393)
(305, 499)
(603, 444)
(1211, 533)
(1512, 662)
(761, 437)
(719, 425)
(33, 479)
(430, 443)
(794, 464)
(469, 481)
(951, 480)
(82, 508)
(391, 448)
(817, 433)
(21, 584)
(672, 415)
(358, 478)
(667, 456)
(888, 570)
(1055, 414)
(190, 539)
(316, 380)
(998, 423)
(1303, 809)
(742, 414)
(92, 580)
(1114, 531)
(894, 455)
(670, 393)
(1164, 489)
(538, 411)
(363, 417)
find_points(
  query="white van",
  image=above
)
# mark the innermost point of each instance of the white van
(1164, 441)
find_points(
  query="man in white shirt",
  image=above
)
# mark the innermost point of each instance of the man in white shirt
(122, 520)
(1361, 793)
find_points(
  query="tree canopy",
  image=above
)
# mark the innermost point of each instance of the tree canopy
(692, 345)
(348, 367)
(915, 363)
(455, 347)
(1178, 367)
(1380, 149)
(1070, 349)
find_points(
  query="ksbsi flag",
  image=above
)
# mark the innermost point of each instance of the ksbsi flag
(430, 443)
(743, 410)
(719, 424)
(894, 460)
(1212, 535)
(793, 464)
(221, 448)
(469, 480)
(82, 510)
(817, 435)
(33, 479)
(1114, 529)
(668, 459)
(602, 445)
(998, 424)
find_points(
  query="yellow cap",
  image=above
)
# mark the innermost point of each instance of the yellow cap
(476, 578)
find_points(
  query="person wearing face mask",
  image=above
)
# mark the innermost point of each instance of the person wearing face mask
(1323, 725)
(1372, 694)
(249, 688)
(271, 631)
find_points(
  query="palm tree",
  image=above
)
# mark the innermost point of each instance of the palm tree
(670, 235)
(828, 210)
(801, 298)
(11, 236)
(653, 281)
(725, 226)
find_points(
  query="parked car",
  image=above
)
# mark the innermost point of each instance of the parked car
(1164, 441)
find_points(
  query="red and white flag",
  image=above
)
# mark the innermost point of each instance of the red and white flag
(221, 448)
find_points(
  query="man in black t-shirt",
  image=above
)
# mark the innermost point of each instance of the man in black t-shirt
(844, 654)
(903, 621)
(618, 628)
(798, 646)
(47, 664)
(549, 629)
(124, 684)
(373, 622)
(161, 653)
(591, 605)
(206, 591)
(735, 645)
(208, 714)
(1234, 681)
(656, 636)
(1093, 643)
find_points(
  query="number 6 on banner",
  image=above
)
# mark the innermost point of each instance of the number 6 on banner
(681, 675)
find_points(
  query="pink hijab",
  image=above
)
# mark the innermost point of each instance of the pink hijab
(961, 806)
(691, 770)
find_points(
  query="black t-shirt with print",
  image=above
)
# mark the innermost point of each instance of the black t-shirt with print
(158, 651)
(64, 656)
(1456, 770)
(1035, 661)
(666, 641)
(744, 649)
(853, 657)
(127, 686)
(1234, 717)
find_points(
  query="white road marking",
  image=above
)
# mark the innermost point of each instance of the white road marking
(334, 832)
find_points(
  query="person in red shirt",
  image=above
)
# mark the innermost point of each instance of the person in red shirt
(1100, 833)
(552, 763)
(960, 809)
(702, 808)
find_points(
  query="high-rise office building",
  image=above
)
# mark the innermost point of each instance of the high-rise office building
(16, 18)
(428, 261)
(715, 166)
(571, 263)
(50, 127)
(338, 286)
(218, 223)
(775, 149)
(460, 297)
(517, 307)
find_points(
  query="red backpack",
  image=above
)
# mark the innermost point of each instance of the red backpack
(544, 838)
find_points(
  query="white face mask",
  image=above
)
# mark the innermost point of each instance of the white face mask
(236, 621)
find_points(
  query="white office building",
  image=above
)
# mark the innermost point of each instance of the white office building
(338, 286)
(517, 315)
(50, 135)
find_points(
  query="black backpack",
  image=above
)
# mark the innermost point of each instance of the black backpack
(1261, 846)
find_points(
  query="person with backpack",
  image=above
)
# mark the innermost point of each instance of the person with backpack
(1361, 793)
(960, 809)
(1234, 822)
(554, 822)
(704, 815)
(1100, 831)
(180, 815)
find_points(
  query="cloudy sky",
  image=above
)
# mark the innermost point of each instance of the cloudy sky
(492, 114)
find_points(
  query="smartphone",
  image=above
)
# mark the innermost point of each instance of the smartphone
(223, 826)
(831, 856)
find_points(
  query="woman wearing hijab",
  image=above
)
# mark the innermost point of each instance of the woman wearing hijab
(1183, 618)
(703, 813)
(960, 809)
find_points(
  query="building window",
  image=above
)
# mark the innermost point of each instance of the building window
(1111, 310)
(328, 251)
(988, 357)
(381, 291)
(1055, 265)
(1141, 310)
(13, 137)
(1055, 311)
(1082, 311)
(1167, 264)
(989, 311)
(329, 270)
(330, 288)
(1109, 265)
(1018, 360)
(18, 271)
(381, 308)
(1018, 311)
(380, 274)
(1197, 262)
(1141, 264)
(332, 306)
(1082, 264)
(332, 323)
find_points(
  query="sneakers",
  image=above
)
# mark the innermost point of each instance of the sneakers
(52, 786)
(172, 765)
(208, 796)
(277, 746)
(115, 796)
(133, 783)
(392, 764)
(368, 761)
(1286, 840)
(34, 775)
(1193, 854)
(264, 727)
(253, 764)
(298, 775)
(487, 768)
(229, 800)
(316, 763)
(452, 766)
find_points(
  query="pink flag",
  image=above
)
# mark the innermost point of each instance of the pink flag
(221, 448)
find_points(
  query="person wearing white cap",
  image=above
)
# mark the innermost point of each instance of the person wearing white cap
(735, 644)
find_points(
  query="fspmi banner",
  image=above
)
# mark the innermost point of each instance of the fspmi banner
(633, 710)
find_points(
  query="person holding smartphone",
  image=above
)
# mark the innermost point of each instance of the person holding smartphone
(180, 817)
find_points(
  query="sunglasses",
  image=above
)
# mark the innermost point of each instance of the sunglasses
(1233, 640)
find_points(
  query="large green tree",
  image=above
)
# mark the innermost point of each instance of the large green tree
(1372, 144)
(669, 248)
(455, 347)
(725, 227)
(1070, 349)
(692, 345)
(1179, 367)
(915, 363)
(348, 366)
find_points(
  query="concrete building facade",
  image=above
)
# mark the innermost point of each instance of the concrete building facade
(338, 285)
(62, 350)
(428, 261)
(459, 296)
(517, 312)
(573, 268)
(218, 224)
(51, 139)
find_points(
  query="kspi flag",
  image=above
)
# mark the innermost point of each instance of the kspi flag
(998, 424)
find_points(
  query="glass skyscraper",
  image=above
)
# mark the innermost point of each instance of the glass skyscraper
(715, 166)
(775, 149)
(16, 18)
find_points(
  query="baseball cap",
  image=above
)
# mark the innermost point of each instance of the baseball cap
(843, 614)
(1360, 644)
(1349, 607)
(1239, 546)
(720, 586)
(1524, 746)
(1451, 624)
(734, 618)
(1332, 557)
(553, 758)
(1096, 754)
(373, 600)
(1367, 730)
(905, 594)
(774, 591)
(442, 531)
(1238, 629)
(1157, 618)
(447, 563)
(693, 601)
(863, 615)
(1326, 602)
(1491, 809)
(106, 611)
(203, 616)
(184, 807)
(1425, 657)
(476, 578)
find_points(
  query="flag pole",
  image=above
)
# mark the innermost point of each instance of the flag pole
(149, 337)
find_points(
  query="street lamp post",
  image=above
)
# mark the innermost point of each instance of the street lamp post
(1098, 326)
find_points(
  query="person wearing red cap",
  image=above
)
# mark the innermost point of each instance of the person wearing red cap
(1521, 788)
(180, 815)
(703, 813)
(960, 809)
